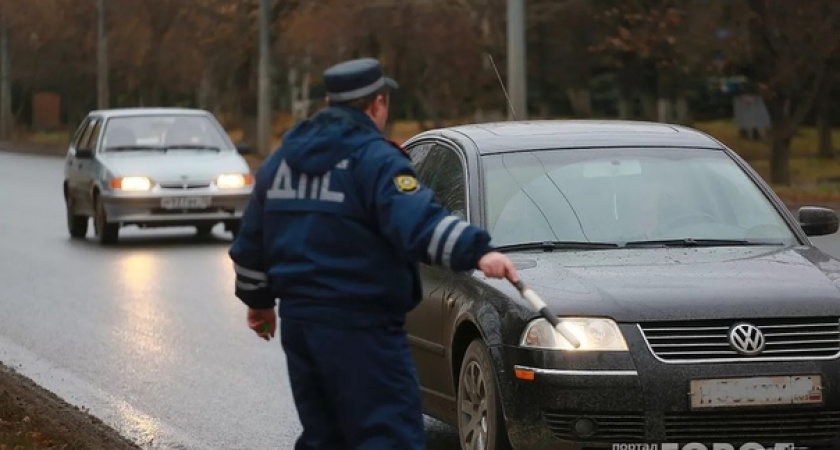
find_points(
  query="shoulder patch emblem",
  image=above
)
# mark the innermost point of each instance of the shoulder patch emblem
(406, 183)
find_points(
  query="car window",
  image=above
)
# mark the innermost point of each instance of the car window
(442, 171)
(621, 195)
(418, 154)
(84, 139)
(77, 137)
(92, 137)
(169, 131)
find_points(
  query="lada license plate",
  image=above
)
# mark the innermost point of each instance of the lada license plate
(185, 202)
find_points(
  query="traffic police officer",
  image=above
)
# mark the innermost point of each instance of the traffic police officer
(335, 227)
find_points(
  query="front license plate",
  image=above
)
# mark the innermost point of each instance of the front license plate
(185, 202)
(756, 391)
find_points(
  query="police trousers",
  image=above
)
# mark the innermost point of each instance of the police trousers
(354, 388)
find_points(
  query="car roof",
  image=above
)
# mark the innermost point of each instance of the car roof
(147, 111)
(512, 136)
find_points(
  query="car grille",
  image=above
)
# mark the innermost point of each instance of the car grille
(184, 186)
(798, 427)
(175, 212)
(629, 427)
(816, 429)
(708, 340)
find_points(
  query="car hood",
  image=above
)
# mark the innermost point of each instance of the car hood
(175, 165)
(678, 283)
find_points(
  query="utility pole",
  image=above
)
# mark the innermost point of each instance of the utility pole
(101, 57)
(264, 85)
(5, 80)
(516, 59)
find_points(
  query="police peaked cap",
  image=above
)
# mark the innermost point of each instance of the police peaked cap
(355, 79)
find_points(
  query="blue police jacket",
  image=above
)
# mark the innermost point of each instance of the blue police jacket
(337, 223)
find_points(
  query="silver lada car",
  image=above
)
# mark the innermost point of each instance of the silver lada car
(153, 167)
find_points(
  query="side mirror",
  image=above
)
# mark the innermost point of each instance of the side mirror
(84, 153)
(243, 148)
(816, 221)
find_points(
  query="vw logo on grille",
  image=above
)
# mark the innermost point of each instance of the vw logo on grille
(746, 339)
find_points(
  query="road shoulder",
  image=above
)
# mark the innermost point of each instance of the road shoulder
(32, 415)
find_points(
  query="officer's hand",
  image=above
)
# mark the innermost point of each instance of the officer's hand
(497, 265)
(263, 322)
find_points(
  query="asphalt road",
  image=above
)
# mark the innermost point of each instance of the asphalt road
(146, 335)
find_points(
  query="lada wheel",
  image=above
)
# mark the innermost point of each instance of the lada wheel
(204, 231)
(106, 232)
(480, 421)
(76, 225)
(233, 227)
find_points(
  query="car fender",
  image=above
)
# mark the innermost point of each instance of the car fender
(498, 319)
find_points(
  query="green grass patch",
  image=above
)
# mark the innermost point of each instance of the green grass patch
(811, 194)
(804, 144)
(809, 174)
(52, 137)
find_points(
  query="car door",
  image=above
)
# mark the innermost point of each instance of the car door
(440, 168)
(72, 162)
(423, 322)
(448, 180)
(87, 165)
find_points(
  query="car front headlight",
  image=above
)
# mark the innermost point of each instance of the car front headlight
(594, 334)
(233, 180)
(132, 184)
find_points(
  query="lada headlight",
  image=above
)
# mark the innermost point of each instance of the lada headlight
(132, 184)
(233, 181)
(594, 333)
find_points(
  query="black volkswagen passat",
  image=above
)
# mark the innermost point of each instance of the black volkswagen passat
(705, 315)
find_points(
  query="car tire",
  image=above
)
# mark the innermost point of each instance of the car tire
(106, 233)
(480, 420)
(233, 227)
(203, 231)
(77, 225)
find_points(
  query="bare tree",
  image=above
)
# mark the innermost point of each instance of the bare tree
(102, 56)
(5, 78)
(789, 46)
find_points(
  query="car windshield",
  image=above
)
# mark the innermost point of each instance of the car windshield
(162, 132)
(623, 196)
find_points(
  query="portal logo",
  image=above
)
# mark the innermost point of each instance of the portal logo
(698, 446)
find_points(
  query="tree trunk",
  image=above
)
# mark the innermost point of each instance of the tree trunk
(648, 106)
(429, 111)
(581, 100)
(683, 111)
(624, 111)
(249, 129)
(664, 107)
(826, 144)
(545, 109)
(780, 156)
(6, 117)
(204, 93)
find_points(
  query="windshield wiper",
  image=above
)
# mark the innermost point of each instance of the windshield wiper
(690, 242)
(192, 147)
(120, 148)
(557, 245)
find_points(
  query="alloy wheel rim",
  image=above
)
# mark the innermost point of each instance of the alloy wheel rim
(473, 408)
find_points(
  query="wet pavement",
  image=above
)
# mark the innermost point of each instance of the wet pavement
(147, 335)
